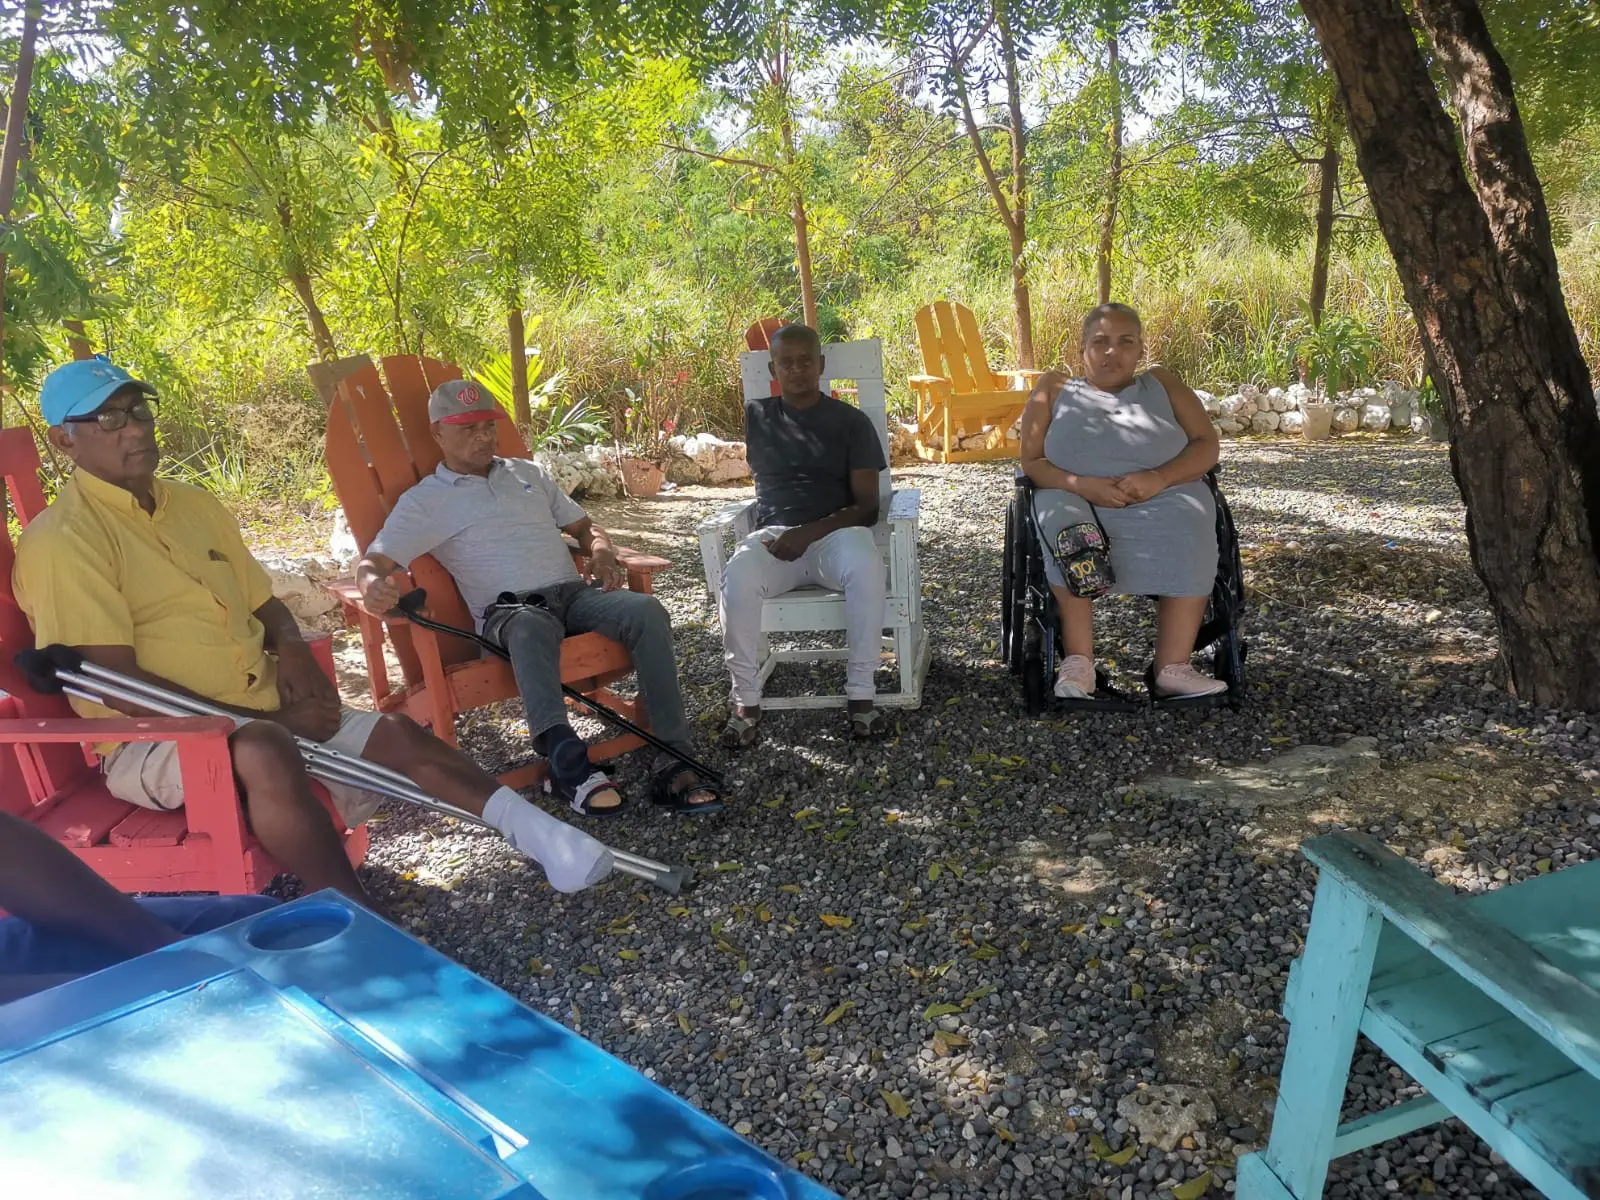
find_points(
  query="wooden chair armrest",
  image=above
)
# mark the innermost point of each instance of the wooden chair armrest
(1561, 1008)
(89, 730)
(905, 504)
(344, 588)
(932, 382)
(725, 518)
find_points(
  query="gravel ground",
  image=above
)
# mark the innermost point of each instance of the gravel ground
(931, 967)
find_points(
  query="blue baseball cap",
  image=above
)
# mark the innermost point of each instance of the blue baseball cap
(77, 389)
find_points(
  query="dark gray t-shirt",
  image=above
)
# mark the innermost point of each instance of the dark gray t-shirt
(802, 457)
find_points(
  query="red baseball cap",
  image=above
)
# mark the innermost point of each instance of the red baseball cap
(463, 402)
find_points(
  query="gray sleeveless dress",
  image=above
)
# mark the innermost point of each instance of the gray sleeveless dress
(1164, 546)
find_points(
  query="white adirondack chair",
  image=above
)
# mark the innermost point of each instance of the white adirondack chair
(818, 609)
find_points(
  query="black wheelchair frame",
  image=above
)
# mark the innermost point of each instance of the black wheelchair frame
(1030, 622)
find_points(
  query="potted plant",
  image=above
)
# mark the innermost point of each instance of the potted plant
(642, 449)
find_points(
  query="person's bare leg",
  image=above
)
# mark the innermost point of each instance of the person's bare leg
(1177, 622)
(437, 768)
(1077, 623)
(284, 813)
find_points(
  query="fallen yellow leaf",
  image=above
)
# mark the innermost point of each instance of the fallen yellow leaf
(683, 1022)
(897, 1104)
(836, 922)
(834, 1016)
(1194, 1188)
(628, 955)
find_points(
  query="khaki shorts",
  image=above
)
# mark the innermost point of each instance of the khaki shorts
(146, 773)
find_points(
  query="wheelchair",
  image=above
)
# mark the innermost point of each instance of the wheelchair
(1030, 637)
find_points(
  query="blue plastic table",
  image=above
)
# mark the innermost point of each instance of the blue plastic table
(315, 1051)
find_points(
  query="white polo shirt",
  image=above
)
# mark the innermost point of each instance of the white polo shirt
(499, 533)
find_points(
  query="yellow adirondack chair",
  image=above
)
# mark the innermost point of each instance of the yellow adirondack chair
(959, 397)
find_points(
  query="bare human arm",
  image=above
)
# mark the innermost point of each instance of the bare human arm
(1096, 489)
(374, 581)
(595, 543)
(300, 676)
(42, 882)
(1190, 463)
(862, 510)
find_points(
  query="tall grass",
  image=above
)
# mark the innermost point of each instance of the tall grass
(249, 425)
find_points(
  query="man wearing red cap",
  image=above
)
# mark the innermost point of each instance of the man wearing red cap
(497, 525)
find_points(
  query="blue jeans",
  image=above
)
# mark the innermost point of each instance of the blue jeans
(25, 950)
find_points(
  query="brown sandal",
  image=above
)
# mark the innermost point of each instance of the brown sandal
(740, 732)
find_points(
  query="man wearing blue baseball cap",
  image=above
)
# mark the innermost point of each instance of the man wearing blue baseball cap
(152, 579)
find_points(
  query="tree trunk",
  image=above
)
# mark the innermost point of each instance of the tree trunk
(16, 145)
(1021, 298)
(518, 337)
(1327, 185)
(78, 340)
(1479, 271)
(1108, 221)
(300, 280)
(802, 232)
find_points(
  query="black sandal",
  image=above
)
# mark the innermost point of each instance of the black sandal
(676, 799)
(578, 798)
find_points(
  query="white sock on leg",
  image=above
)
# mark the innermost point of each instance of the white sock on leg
(572, 860)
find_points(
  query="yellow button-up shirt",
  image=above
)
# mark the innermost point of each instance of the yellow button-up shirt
(179, 586)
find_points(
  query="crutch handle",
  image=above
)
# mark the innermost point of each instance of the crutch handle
(411, 603)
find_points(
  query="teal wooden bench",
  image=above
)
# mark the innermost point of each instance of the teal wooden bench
(1489, 1002)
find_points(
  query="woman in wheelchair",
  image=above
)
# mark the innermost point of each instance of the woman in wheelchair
(1118, 460)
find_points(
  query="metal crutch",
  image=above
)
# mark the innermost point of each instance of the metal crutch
(61, 668)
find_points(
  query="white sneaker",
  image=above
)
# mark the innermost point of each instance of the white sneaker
(1075, 680)
(1180, 681)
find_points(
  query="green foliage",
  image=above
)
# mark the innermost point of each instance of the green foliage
(208, 180)
(1336, 351)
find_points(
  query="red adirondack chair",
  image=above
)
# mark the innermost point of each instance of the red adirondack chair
(378, 444)
(49, 776)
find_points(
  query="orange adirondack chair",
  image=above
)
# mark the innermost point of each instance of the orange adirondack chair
(379, 444)
(49, 776)
(958, 396)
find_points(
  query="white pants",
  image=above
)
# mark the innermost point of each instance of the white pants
(847, 560)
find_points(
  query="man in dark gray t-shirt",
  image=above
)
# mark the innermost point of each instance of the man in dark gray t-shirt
(816, 462)
(802, 458)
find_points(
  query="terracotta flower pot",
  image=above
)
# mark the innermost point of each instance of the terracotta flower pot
(641, 477)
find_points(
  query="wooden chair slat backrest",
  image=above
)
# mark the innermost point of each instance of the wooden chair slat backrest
(952, 347)
(369, 402)
(409, 390)
(45, 770)
(861, 361)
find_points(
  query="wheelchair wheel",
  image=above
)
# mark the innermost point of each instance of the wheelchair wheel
(1035, 672)
(1008, 594)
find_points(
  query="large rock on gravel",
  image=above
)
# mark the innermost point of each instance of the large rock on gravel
(1164, 1115)
(1230, 427)
(342, 546)
(298, 583)
(1303, 774)
(1209, 402)
(1375, 418)
(1237, 406)
(1346, 420)
(1265, 422)
(1292, 422)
